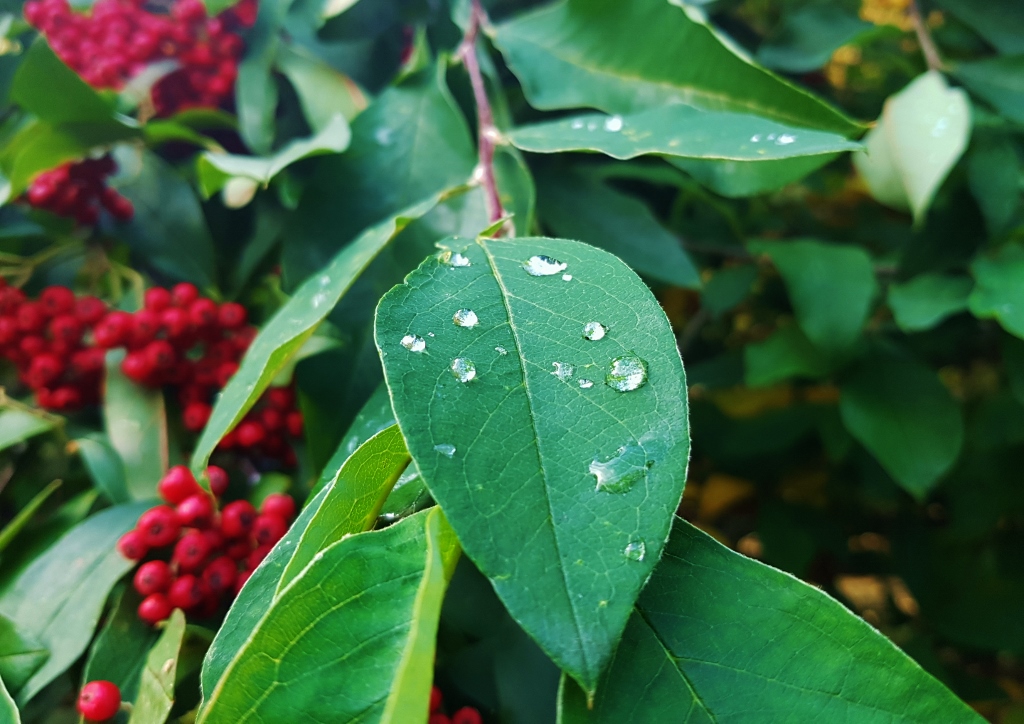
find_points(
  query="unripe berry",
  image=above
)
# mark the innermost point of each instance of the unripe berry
(196, 511)
(219, 575)
(177, 484)
(279, 504)
(186, 592)
(268, 529)
(191, 551)
(133, 545)
(155, 608)
(99, 700)
(159, 526)
(237, 518)
(152, 577)
(218, 478)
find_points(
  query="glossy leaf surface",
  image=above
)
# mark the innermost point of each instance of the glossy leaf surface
(136, 423)
(926, 300)
(21, 655)
(156, 688)
(19, 425)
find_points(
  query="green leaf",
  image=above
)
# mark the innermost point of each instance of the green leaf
(25, 515)
(515, 187)
(508, 453)
(360, 620)
(576, 205)
(168, 231)
(58, 598)
(21, 654)
(922, 133)
(679, 131)
(50, 90)
(786, 354)
(136, 425)
(728, 288)
(348, 504)
(830, 287)
(927, 299)
(119, 652)
(807, 37)
(1000, 22)
(8, 709)
(292, 325)
(906, 418)
(1000, 81)
(994, 172)
(323, 91)
(739, 179)
(17, 425)
(104, 466)
(999, 288)
(717, 637)
(156, 689)
(625, 57)
(215, 169)
(256, 88)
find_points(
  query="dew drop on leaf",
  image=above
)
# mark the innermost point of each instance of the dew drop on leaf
(586, 384)
(594, 331)
(563, 370)
(785, 139)
(635, 550)
(445, 449)
(567, 277)
(577, 124)
(463, 369)
(465, 318)
(501, 350)
(454, 258)
(627, 373)
(613, 124)
(414, 343)
(756, 138)
(620, 472)
(543, 266)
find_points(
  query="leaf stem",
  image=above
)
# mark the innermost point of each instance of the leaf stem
(924, 38)
(487, 132)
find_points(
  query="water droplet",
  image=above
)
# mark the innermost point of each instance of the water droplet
(620, 472)
(543, 266)
(563, 370)
(591, 125)
(445, 449)
(383, 136)
(594, 331)
(454, 258)
(463, 369)
(785, 139)
(577, 124)
(586, 384)
(635, 550)
(430, 334)
(414, 343)
(771, 136)
(613, 124)
(567, 277)
(756, 138)
(465, 318)
(324, 280)
(940, 127)
(627, 373)
(501, 350)
(319, 299)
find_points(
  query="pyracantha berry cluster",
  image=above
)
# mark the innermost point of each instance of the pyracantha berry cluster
(201, 553)
(78, 189)
(99, 701)
(465, 715)
(114, 42)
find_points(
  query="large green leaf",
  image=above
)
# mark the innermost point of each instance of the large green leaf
(346, 505)
(902, 414)
(999, 288)
(21, 655)
(119, 652)
(282, 336)
(622, 57)
(575, 205)
(679, 131)
(1000, 81)
(17, 425)
(58, 598)
(927, 299)
(136, 424)
(156, 688)
(560, 485)
(830, 287)
(717, 637)
(358, 622)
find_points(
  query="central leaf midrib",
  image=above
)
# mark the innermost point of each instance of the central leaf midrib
(505, 294)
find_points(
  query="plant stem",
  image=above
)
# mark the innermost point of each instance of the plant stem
(487, 132)
(924, 38)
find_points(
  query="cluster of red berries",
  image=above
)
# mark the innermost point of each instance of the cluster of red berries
(119, 38)
(204, 555)
(465, 715)
(78, 189)
(99, 701)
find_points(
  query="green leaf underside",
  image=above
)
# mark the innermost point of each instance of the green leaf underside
(717, 637)
(625, 57)
(927, 299)
(59, 597)
(156, 688)
(679, 130)
(346, 505)
(352, 637)
(19, 425)
(291, 326)
(516, 443)
(999, 291)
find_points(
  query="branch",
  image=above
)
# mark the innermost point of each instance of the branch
(924, 38)
(488, 132)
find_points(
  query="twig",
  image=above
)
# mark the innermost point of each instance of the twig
(488, 132)
(924, 38)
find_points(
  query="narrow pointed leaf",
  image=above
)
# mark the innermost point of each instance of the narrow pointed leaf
(104, 466)
(156, 689)
(136, 425)
(352, 637)
(509, 452)
(717, 637)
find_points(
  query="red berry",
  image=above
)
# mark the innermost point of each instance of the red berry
(225, 372)
(239, 549)
(89, 310)
(237, 518)
(281, 398)
(152, 577)
(203, 313)
(160, 355)
(31, 317)
(43, 370)
(133, 545)
(155, 608)
(187, 592)
(279, 504)
(268, 529)
(219, 575)
(256, 557)
(144, 328)
(175, 323)
(87, 362)
(137, 368)
(439, 719)
(195, 416)
(240, 580)
(159, 526)
(65, 328)
(218, 478)
(272, 419)
(191, 551)
(66, 398)
(231, 315)
(157, 299)
(294, 424)
(196, 511)
(250, 434)
(99, 700)
(436, 699)
(184, 294)
(177, 484)
(57, 300)
(8, 331)
(112, 331)
(466, 715)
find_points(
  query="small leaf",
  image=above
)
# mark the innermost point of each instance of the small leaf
(900, 411)
(104, 466)
(119, 651)
(17, 425)
(717, 637)
(156, 688)
(25, 515)
(922, 133)
(927, 299)
(999, 288)
(786, 354)
(360, 621)
(807, 37)
(830, 286)
(21, 655)
(999, 81)
(292, 325)
(323, 91)
(561, 377)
